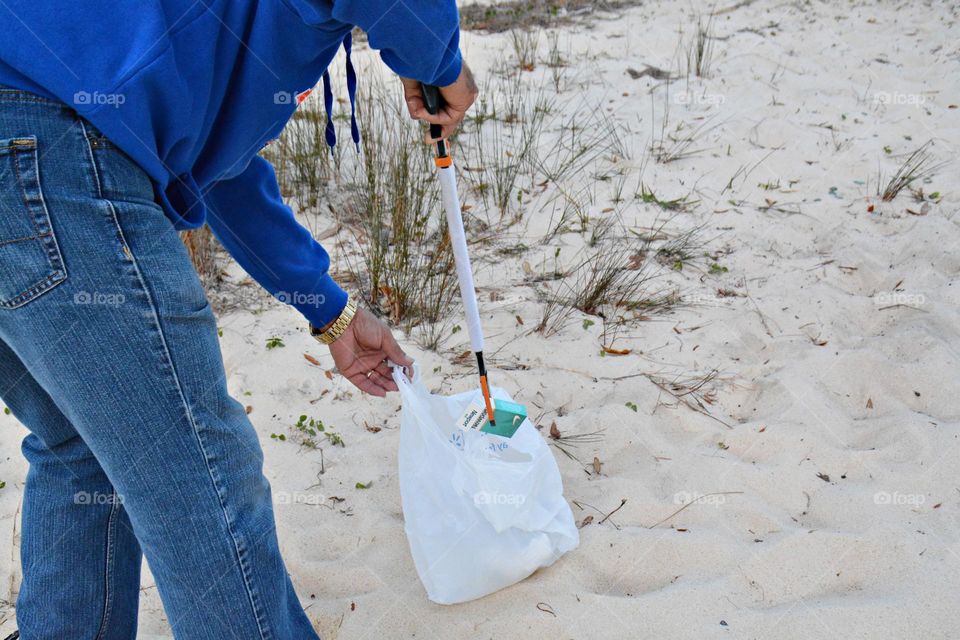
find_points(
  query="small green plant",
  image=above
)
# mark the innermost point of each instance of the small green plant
(723, 445)
(310, 428)
(274, 342)
(6, 410)
(716, 268)
(587, 323)
(280, 437)
(362, 485)
(647, 196)
(632, 406)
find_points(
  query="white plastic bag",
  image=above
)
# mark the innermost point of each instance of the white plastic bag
(481, 512)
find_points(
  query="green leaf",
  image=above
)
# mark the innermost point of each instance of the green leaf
(360, 485)
(587, 323)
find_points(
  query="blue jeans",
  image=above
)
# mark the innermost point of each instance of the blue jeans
(110, 357)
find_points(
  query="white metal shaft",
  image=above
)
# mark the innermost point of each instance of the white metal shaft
(458, 240)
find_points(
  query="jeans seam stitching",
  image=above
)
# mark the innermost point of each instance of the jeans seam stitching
(196, 432)
(93, 161)
(108, 582)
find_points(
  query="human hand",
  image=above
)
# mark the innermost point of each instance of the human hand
(361, 354)
(458, 97)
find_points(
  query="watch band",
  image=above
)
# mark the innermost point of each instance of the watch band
(339, 325)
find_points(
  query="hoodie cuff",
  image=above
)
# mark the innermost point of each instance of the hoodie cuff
(449, 69)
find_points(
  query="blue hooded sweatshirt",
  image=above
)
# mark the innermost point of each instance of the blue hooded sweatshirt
(193, 89)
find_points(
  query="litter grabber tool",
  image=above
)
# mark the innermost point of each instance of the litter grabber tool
(503, 418)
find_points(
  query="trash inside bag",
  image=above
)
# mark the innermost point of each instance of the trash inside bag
(481, 511)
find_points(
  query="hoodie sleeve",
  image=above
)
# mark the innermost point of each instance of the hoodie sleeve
(247, 214)
(418, 39)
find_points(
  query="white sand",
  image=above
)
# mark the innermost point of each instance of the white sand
(820, 372)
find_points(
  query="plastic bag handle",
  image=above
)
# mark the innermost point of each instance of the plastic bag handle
(400, 374)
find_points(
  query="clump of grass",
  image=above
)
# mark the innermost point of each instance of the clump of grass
(676, 142)
(505, 142)
(304, 164)
(504, 16)
(919, 165)
(611, 278)
(684, 248)
(585, 136)
(575, 210)
(405, 271)
(647, 195)
(700, 49)
(555, 61)
(525, 44)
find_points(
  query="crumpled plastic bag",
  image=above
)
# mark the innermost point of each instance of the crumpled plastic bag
(481, 511)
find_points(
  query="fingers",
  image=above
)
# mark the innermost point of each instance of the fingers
(393, 350)
(416, 107)
(368, 385)
(385, 383)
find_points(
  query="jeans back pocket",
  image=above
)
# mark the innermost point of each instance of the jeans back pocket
(30, 260)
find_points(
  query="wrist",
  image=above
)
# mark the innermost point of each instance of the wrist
(329, 333)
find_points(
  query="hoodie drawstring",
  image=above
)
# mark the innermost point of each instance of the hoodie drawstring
(330, 132)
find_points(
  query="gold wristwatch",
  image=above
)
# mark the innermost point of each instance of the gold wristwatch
(339, 325)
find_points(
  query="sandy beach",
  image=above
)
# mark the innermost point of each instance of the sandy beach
(759, 440)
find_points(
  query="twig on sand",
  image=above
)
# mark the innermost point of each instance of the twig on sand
(692, 395)
(623, 501)
(690, 391)
(695, 500)
(581, 505)
(732, 8)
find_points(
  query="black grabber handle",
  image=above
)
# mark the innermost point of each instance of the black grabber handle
(434, 102)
